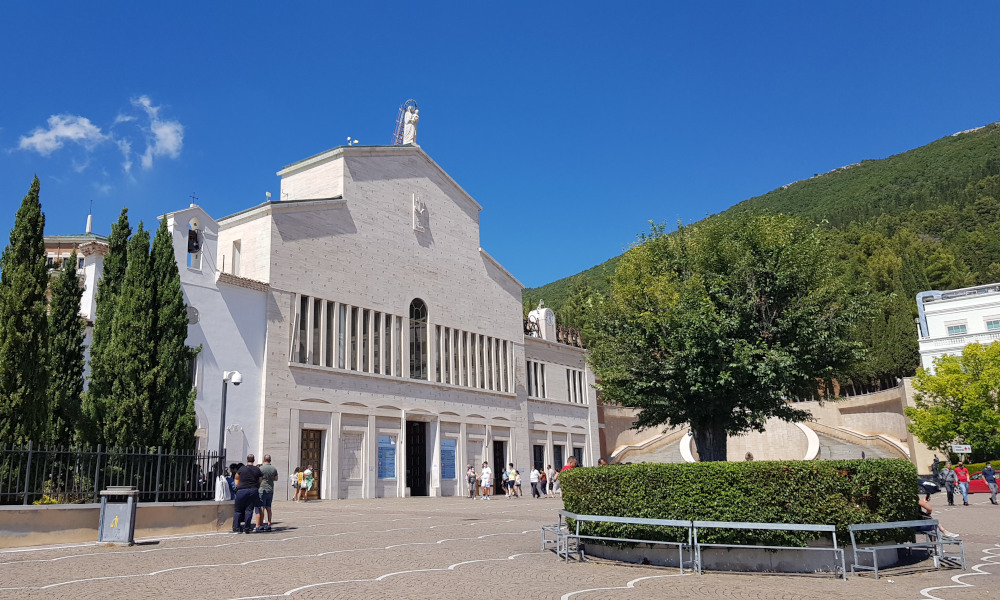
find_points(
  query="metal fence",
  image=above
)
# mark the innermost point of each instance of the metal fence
(44, 475)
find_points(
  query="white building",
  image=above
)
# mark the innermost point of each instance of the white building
(377, 340)
(950, 320)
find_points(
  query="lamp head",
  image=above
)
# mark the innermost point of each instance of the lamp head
(233, 376)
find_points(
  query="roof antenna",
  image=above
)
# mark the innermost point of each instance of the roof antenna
(90, 218)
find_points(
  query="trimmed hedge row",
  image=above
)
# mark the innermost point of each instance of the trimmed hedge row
(838, 492)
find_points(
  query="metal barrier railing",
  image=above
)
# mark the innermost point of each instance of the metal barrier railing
(39, 474)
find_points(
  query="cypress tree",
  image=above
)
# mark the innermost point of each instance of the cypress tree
(23, 326)
(173, 411)
(131, 352)
(66, 331)
(101, 369)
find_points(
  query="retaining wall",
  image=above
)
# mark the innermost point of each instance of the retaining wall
(71, 523)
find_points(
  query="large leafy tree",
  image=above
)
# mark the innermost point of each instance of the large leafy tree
(66, 359)
(102, 366)
(23, 326)
(130, 353)
(173, 396)
(960, 401)
(717, 325)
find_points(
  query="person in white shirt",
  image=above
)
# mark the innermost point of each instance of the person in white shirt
(533, 478)
(486, 480)
(550, 477)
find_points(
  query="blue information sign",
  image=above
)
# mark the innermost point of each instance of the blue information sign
(386, 457)
(448, 458)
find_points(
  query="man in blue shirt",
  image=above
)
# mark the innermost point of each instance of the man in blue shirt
(990, 476)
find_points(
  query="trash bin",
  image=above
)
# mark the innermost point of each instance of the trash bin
(118, 507)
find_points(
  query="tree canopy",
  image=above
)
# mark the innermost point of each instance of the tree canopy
(960, 402)
(23, 326)
(719, 324)
(66, 359)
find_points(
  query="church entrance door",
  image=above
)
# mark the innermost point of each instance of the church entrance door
(416, 457)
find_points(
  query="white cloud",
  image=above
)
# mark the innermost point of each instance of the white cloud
(167, 136)
(126, 147)
(63, 128)
(164, 138)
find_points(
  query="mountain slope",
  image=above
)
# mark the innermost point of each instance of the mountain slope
(929, 189)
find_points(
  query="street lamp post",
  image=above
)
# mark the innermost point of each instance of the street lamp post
(237, 379)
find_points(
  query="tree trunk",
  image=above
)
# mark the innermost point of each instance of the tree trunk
(711, 442)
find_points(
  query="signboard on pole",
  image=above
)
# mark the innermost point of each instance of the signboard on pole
(961, 448)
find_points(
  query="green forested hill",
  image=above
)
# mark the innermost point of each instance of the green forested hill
(925, 219)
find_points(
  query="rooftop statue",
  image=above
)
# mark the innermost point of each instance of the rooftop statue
(410, 125)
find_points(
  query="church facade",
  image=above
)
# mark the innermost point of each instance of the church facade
(376, 339)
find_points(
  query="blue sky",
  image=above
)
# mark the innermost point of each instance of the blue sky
(572, 123)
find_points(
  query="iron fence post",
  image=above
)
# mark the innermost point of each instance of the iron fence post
(97, 470)
(27, 474)
(159, 458)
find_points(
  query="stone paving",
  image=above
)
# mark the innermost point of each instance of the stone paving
(446, 548)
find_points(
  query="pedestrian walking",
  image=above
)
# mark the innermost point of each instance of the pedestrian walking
(950, 482)
(269, 474)
(533, 479)
(990, 477)
(963, 482)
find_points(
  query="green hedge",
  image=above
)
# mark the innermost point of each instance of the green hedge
(838, 492)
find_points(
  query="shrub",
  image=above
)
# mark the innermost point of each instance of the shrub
(835, 492)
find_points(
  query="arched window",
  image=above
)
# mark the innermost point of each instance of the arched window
(418, 339)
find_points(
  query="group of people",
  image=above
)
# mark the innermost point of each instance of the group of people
(302, 482)
(253, 491)
(544, 483)
(957, 478)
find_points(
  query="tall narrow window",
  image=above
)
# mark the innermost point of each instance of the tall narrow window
(455, 370)
(303, 324)
(317, 316)
(397, 343)
(377, 343)
(418, 339)
(329, 335)
(237, 246)
(541, 381)
(387, 343)
(503, 366)
(365, 338)
(465, 358)
(446, 359)
(354, 338)
(437, 353)
(489, 363)
(480, 372)
(341, 334)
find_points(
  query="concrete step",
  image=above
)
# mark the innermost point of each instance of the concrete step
(831, 448)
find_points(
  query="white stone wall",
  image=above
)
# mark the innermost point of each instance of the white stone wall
(320, 176)
(229, 325)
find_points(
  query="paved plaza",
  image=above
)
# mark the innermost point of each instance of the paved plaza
(445, 548)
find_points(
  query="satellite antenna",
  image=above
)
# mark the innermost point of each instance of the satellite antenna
(397, 134)
(351, 142)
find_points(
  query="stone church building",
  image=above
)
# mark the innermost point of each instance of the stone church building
(376, 339)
